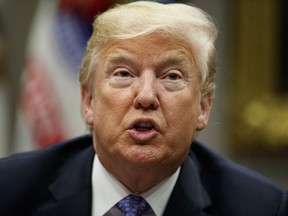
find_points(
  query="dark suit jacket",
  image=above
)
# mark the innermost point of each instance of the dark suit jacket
(57, 181)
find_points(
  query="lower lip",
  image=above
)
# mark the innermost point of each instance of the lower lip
(142, 135)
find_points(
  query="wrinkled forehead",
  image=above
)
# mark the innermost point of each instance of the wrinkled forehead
(159, 48)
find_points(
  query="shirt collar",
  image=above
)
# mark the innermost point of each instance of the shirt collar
(107, 191)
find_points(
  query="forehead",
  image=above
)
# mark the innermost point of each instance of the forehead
(149, 47)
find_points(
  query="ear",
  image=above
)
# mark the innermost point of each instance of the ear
(205, 108)
(87, 108)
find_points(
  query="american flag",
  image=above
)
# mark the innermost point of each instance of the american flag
(49, 109)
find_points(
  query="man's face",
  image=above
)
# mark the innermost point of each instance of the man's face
(146, 104)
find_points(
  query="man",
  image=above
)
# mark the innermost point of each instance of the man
(147, 84)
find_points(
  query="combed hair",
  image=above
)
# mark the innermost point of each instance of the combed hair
(144, 17)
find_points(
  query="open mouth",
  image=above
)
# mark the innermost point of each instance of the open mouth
(143, 130)
(143, 126)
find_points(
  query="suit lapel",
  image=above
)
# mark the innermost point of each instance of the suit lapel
(72, 191)
(189, 196)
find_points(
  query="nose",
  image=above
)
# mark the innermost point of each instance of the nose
(147, 94)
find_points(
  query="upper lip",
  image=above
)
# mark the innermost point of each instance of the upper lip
(145, 121)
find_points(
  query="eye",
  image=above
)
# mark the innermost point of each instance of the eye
(173, 76)
(122, 74)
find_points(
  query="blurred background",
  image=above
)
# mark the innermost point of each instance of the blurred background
(42, 43)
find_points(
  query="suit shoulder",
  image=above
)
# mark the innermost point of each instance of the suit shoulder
(216, 164)
(232, 185)
(46, 158)
(27, 176)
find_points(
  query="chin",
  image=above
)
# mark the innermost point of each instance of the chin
(144, 155)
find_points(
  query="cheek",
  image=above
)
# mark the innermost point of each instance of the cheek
(183, 108)
(110, 105)
(182, 115)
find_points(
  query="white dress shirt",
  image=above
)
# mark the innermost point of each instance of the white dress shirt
(107, 191)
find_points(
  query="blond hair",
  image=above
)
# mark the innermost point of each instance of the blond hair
(144, 17)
